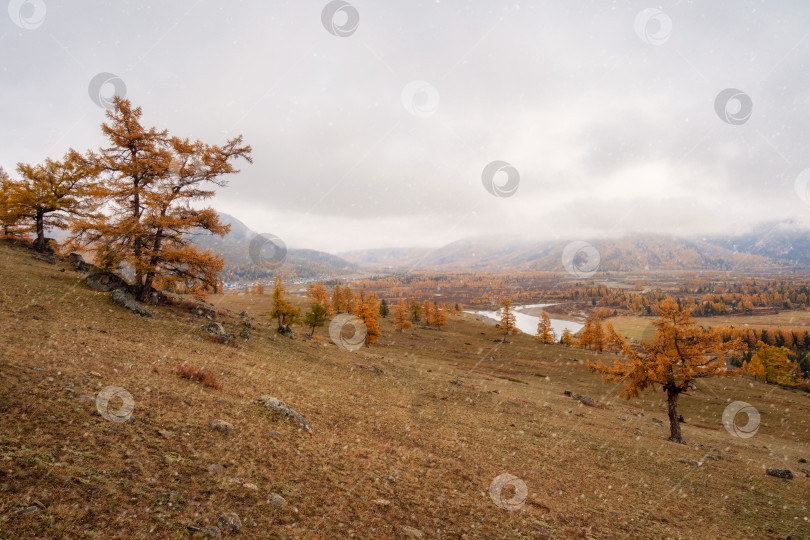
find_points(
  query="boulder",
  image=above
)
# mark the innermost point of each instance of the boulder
(276, 500)
(586, 400)
(105, 282)
(218, 331)
(285, 410)
(214, 328)
(216, 468)
(780, 473)
(211, 531)
(122, 298)
(202, 311)
(285, 330)
(79, 265)
(220, 425)
(229, 522)
(412, 532)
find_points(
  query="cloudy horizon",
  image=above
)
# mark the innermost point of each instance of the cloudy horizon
(606, 114)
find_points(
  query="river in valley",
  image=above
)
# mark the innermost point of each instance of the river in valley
(527, 323)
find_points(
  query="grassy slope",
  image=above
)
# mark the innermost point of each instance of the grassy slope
(587, 473)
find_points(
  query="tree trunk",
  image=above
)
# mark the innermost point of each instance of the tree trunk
(312, 333)
(136, 242)
(145, 289)
(39, 243)
(674, 423)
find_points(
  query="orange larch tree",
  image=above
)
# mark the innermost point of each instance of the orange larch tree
(348, 302)
(285, 313)
(317, 293)
(367, 309)
(592, 335)
(152, 186)
(544, 331)
(438, 316)
(402, 316)
(427, 311)
(9, 216)
(50, 194)
(415, 309)
(680, 353)
(508, 320)
(337, 299)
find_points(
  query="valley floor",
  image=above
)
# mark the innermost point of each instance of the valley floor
(407, 438)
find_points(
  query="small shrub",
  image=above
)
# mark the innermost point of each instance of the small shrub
(189, 370)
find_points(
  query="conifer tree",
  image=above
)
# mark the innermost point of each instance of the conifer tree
(508, 320)
(544, 330)
(367, 309)
(755, 368)
(337, 299)
(680, 353)
(777, 364)
(402, 316)
(438, 316)
(152, 186)
(50, 194)
(317, 293)
(285, 313)
(415, 310)
(567, 338)
(315, 317)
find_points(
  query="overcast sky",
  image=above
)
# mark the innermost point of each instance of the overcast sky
(378, 136)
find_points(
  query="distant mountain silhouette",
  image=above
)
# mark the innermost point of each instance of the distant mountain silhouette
(768, 248)
(235, 249)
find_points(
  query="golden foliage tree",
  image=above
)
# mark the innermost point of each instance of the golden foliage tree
(585, 336)
(416, 311)
(259, 289)
(285, 313)
(337, 299)
(598, 336)
(317, 293)
(402, 316)
(152, 187)
(8, 219)
(678, 355)
(438, 316)
(508, 319)
(776, 364)
(427, 311)
(755, 368)
(592, 335)
(50, 194)
(567, 338)
(367, 309)
(544, 330)
(349, 303)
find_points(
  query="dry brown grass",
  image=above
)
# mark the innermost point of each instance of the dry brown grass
(403, 448)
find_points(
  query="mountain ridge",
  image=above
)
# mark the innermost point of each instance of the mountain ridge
(775, 249)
